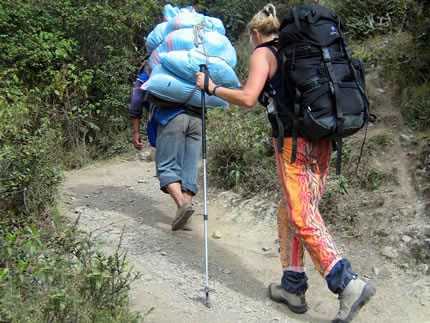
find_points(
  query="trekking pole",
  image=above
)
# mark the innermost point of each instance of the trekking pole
(203, 68)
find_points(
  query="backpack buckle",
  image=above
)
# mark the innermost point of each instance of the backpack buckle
(326, 54)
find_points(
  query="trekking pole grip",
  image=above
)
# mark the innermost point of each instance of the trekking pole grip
(204, 69)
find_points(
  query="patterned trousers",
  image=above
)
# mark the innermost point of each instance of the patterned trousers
(300, 224)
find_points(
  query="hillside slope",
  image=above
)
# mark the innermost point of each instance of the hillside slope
(380, 224)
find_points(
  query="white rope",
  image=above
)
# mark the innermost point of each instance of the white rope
(198, 41)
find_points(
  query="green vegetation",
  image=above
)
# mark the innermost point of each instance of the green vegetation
(65, 76)
(241, 151)
(395, 36)
(421, 170)
(60, 277)
(399, 49)
(381, 141)
(365, 18)
(372, 178)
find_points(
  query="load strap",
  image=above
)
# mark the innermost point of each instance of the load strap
(295, 125)
(197, 42)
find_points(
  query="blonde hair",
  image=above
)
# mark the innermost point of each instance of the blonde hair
(265, 21)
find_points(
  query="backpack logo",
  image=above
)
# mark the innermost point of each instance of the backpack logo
(333, 31)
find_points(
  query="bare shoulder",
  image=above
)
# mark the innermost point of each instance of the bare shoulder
(261, 55)
(261, 52)
(264, 58)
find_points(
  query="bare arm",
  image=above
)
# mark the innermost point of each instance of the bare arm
(259, 68)
(137, 142)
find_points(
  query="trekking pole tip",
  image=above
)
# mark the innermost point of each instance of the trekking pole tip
(207, 303)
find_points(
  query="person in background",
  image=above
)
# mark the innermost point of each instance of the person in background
(300, 225)
(178, 133)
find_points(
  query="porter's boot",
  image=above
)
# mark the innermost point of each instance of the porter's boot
(188, 226)
(182, 215)
(355, 295)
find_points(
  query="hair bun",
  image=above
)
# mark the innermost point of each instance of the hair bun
(269, 10)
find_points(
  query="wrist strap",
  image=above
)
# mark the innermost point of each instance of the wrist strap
(214, 90)
(206, 84)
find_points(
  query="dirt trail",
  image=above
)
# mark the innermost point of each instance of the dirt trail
(122, 196)
(110, 199)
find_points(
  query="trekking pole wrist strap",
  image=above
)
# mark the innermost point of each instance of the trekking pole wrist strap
(214, 90)
(207, 82)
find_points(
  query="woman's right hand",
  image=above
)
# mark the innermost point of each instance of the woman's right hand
(200, 82)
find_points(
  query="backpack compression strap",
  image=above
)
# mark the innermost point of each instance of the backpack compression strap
(334, 89)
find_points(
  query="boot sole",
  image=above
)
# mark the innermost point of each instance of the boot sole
(294, 308)
(368, 291)
(182, 219)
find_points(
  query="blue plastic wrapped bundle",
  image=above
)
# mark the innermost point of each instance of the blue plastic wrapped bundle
(170, 87)
(156, 37)
(170, 12)
(209, 42)
(216, 44)
(186, 64)
(214, 24)
(188, 19)
(176, 19)
(177, 40)
(179, 45)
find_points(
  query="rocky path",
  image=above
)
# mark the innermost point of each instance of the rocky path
(121, 198)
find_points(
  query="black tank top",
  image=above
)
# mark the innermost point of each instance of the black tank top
(273, 85)
(272, 88)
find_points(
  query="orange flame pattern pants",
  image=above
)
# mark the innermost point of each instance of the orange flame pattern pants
(300, 225)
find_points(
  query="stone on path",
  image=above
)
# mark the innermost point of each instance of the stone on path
(216, 235)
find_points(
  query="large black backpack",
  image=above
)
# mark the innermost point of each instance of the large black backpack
(323, 88)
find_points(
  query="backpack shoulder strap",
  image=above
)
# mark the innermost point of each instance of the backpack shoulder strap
(274, 51)
(296, 18)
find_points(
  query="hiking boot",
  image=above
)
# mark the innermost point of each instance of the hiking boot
(189, 225)
(295, 302)
(355, 295)
(182, 215)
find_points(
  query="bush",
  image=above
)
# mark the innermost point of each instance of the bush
(65, 80)
(29, 154)
(57, 277)
(406, 65)
(416, 106)
(241, 154)
(66, 70)
(364, 18)
(420, 171)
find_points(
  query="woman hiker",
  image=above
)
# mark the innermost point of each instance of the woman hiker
(300, 225)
